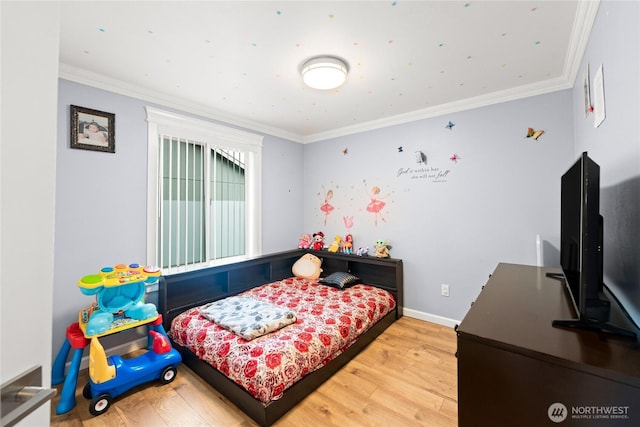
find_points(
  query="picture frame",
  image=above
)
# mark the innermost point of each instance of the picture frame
(92, 129)
(586, 87)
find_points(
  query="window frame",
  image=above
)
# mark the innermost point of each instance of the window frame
(161, 122)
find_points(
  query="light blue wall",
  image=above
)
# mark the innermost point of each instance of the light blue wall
(615, 145)
(101, 207)
(488, 208)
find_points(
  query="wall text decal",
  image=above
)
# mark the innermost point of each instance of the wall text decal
(428, 173)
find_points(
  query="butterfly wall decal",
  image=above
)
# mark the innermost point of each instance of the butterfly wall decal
(400, 149)
(535, 134)
(450, 125)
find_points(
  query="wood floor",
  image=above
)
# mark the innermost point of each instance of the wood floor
(406, 377)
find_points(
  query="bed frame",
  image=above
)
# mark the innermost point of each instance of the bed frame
(179, 292)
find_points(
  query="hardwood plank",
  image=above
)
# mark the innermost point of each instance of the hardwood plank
(406, 377)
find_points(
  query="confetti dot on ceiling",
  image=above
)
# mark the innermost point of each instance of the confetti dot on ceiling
(537, 42)
(440, 44)
(102, 30)
(150, 31)
(394, 3)
(533, 9)
(278, 12)
(468, 56)
(467, 4)
(331, 16)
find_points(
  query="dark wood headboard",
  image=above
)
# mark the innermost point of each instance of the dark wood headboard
(179, 292)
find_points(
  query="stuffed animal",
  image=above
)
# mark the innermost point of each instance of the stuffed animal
(317, 242)
(307, 267)
(347, 244)
(363, 251)
(305, 241)
(335, 245)
(382, 248)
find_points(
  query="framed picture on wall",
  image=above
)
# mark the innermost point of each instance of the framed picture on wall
(92, 129)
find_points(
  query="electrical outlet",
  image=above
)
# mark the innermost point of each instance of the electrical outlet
(444, 290)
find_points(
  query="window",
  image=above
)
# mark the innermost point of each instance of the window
(204, 193)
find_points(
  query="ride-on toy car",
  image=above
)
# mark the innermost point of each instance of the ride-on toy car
(113, 376)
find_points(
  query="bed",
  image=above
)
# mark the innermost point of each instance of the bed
(182, 297)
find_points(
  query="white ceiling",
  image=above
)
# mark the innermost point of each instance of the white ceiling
(239, 61)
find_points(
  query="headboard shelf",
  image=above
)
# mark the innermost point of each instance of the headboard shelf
(181, 291)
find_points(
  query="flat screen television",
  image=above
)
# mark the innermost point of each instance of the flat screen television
(581, 251)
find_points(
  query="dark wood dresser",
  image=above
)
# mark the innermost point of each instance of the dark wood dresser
(515, 369)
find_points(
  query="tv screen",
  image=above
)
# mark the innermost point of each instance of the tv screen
(581, 238)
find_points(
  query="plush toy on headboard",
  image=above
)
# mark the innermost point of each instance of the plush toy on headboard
(307, 267)
(335, 245)
(305, 241)
(318, 241)
(363, 251)
(347, 244)
(382, 248)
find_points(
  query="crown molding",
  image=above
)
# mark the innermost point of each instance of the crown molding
(88, 78)
(512, 94)
(585, 18)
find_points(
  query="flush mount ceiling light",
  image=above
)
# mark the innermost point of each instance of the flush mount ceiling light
(324, 72)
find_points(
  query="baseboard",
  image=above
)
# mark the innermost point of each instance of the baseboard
(433, 318)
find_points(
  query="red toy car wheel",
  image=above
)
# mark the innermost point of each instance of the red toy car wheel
(168, 374)
(100, 404)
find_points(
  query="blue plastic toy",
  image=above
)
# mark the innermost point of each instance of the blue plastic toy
(112, 376)
(119, 307)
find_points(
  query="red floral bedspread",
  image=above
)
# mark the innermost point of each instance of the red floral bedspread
(329, 321)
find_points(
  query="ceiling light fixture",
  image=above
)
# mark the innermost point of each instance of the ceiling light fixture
(324, 72)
